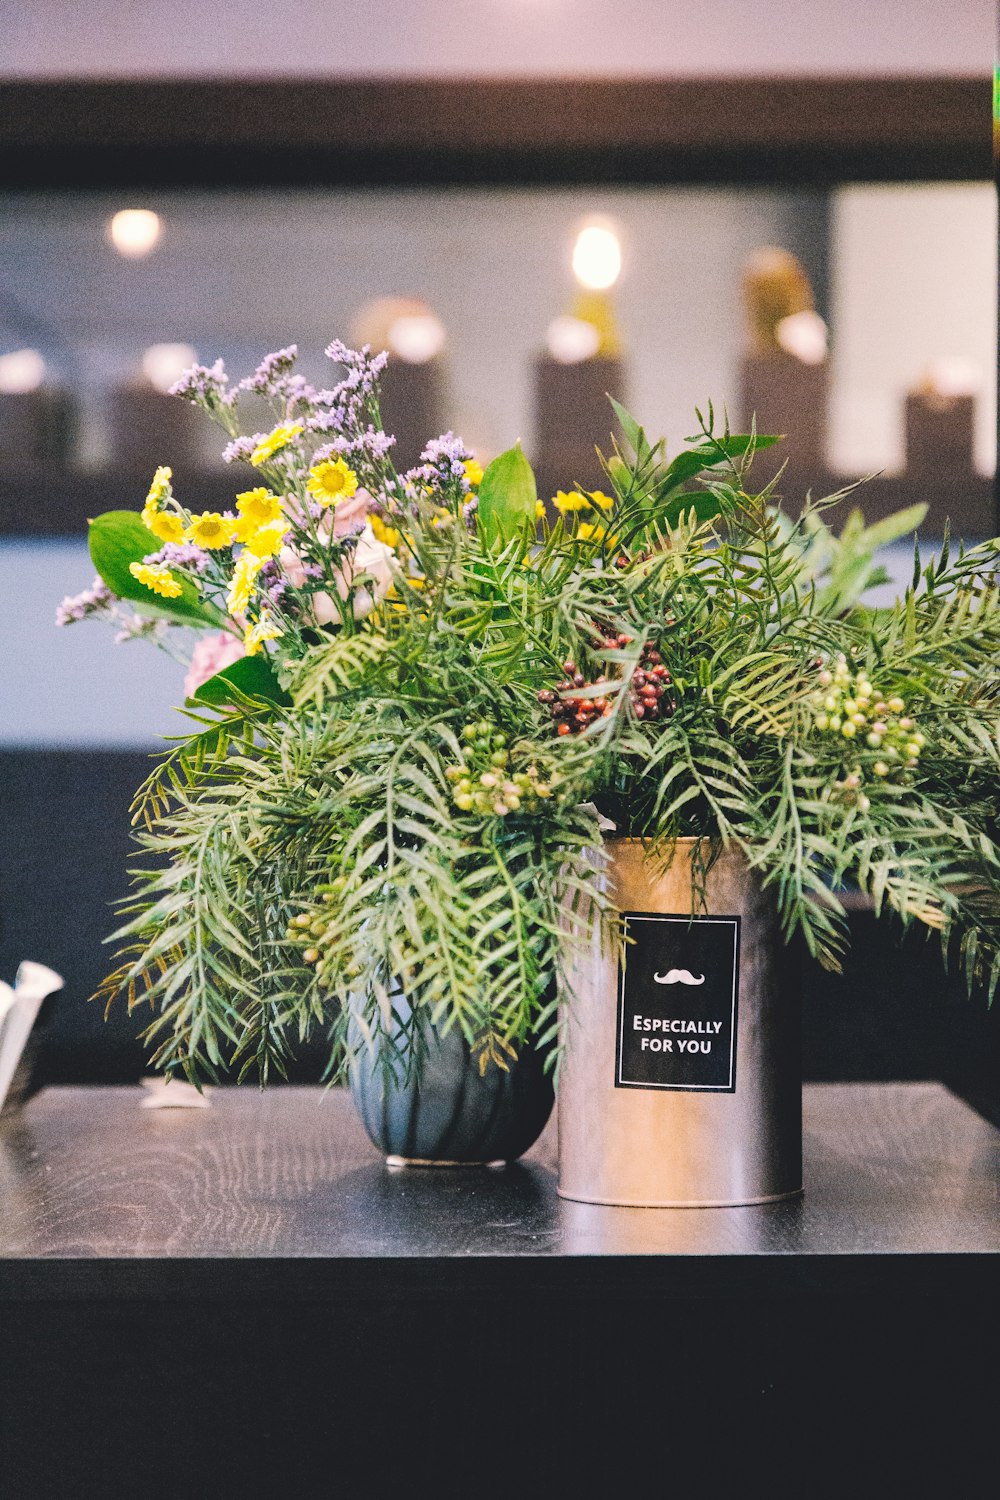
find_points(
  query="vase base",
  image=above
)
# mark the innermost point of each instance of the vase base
(682, 1202)
(419, 1161)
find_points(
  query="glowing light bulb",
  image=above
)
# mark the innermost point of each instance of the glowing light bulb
(597, 257)
(416, 337)
(21, 371)
(163, 364)
(803, 334)
(954, 375)
(134, 232)
(572, 340)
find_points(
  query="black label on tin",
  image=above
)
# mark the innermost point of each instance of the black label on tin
(678, 984)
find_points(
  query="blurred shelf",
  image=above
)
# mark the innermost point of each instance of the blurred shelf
(57, 503)
(817, 131)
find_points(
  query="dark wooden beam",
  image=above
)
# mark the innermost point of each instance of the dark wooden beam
(819, 131)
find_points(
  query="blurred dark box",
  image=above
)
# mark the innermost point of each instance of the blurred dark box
(789, 398)
(148, 428)
(572, 413)
(939, 434)
(411, 407)
(37, 428)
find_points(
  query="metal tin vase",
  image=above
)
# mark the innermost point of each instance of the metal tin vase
(680, 1083)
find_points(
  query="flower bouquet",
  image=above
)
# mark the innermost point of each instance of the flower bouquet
(421, 704)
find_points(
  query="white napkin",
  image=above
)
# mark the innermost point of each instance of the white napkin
(19, 1009)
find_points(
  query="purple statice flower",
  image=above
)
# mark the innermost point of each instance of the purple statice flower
(203, 384)
(371, 444)
(241, 448)
(179, 555)
(344, 407)
(273, 377)
(271, 368)
(270, 581)
(93, 601)
(135, 627)
(447, 450)
(469, 513)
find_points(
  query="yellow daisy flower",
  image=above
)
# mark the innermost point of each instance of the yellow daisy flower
(540, 511)
(566, 501)
(473, 472)
(331, 481)
(242, 582)
(160, 487)
(601, 501)
(264, 630)
(274, 442)
(166, 525)
(388, 535)
(259, 506)
(587, 532)
(210, 530)
(266, 541)
(159, 490)
(160, 580)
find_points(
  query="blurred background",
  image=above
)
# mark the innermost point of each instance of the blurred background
(788, 213)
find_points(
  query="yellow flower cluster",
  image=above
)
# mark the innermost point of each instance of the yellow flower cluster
(166, 526)
(160, 580)
(273, 443)
(241, 585)
(210, 530)
(567, 501)
(265, 629)
(331, 481)
(387, 535)
(473, 472)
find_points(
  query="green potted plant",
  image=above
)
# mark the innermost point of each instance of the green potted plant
(446, 717)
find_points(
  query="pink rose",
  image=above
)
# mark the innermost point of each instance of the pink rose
(377, 562)
(211, 654)
(350, 515)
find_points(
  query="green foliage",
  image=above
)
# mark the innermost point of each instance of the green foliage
(507, 497)
(248, 677)
(301, 861)
(118, 538)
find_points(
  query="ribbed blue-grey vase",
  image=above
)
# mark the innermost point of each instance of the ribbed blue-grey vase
(444, 1113)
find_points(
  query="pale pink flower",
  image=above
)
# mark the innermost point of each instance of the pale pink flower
(211, 654)
(350, 514)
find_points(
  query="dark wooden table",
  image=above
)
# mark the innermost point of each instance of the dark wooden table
(246, 1288)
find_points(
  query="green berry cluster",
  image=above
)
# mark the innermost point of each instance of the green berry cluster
(486, 783)
(310, 927)
(847, 704)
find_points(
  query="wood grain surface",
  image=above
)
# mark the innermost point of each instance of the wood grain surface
(86, 1175)
(243, 1301)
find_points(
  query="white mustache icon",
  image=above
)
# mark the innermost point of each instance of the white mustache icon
(678, 976)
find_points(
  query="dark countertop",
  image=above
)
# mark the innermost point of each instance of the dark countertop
(244, 1301)
(99, 1197)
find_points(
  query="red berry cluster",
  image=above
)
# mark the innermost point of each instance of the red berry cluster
(573, 713)
(650, 681)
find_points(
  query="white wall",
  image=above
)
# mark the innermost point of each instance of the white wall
(469, 38)
(914, 271)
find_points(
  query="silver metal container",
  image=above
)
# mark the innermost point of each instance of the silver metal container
(680, 1083)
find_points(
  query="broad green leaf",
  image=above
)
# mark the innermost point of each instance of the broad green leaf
(709, 456)
(634, 434)
(118, 538)
(251, 676)
(507, 497)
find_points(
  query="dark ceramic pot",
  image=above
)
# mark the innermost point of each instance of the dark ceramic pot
(444, 1113)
